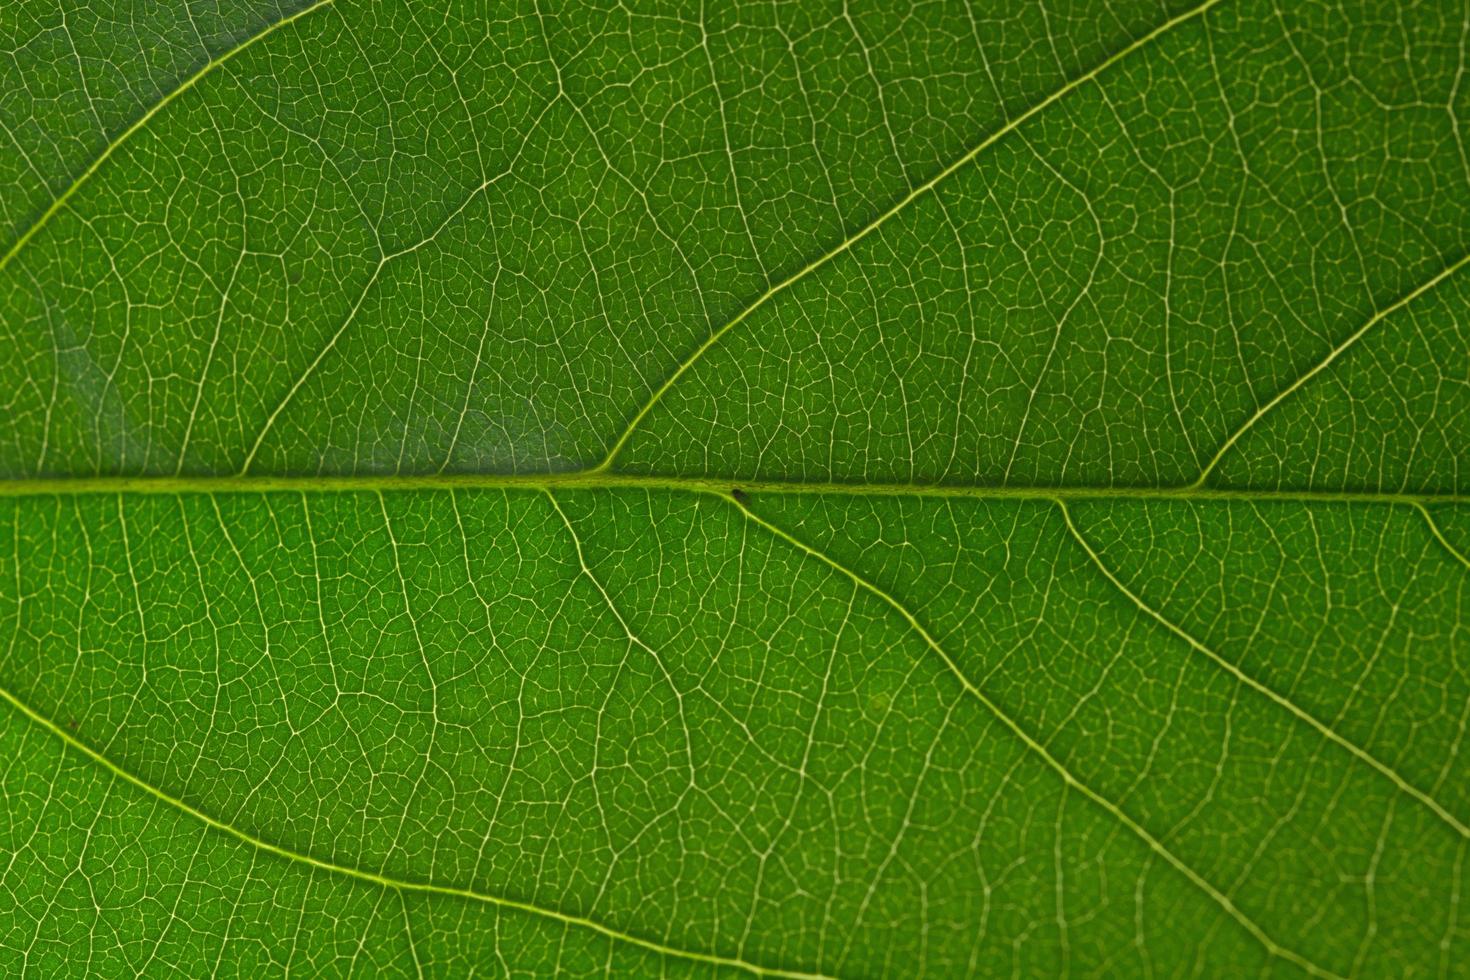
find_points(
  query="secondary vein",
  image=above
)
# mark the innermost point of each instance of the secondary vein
(384, 881)
(1321, 727)
(922, 189)
(143, 121)
(1069, 779)
(1326, 361)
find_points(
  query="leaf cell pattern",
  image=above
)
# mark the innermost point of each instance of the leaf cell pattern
(708, 490)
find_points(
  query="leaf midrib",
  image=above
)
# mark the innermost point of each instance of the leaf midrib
(596, 479)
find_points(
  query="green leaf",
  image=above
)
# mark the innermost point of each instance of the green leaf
(794, 489)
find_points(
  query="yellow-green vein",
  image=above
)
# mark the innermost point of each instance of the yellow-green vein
(1068, 778)
(383, 881)
(922, 189)
(143, 121)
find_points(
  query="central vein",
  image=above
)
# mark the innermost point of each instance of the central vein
(602, 480)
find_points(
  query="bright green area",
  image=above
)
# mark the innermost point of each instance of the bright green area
(375, 592)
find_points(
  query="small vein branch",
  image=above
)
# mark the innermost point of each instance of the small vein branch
(1439, 535)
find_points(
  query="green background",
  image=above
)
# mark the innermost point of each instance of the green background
(786, 488)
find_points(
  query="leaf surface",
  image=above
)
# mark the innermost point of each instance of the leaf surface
(789, 489)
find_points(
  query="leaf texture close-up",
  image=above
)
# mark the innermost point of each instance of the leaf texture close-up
(853, 489)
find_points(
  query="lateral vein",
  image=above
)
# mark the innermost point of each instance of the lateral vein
(384, 881)
(143, 121)
(1069, 779)
(1326, 362)
(922, 189)
(1322, 728)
